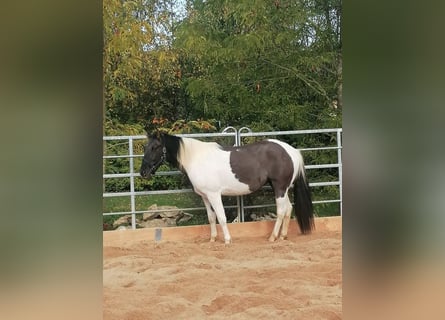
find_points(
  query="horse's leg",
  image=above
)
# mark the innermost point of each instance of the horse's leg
(281, 210)
(212, 219)
(286, 219)
(217, 205)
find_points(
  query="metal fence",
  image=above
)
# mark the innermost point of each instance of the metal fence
(237, 136)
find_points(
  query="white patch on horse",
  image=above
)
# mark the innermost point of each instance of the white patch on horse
(208, 168)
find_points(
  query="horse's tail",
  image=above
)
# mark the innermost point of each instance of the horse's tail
(303, 201)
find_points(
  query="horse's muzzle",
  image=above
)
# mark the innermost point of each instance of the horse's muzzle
(146, 174)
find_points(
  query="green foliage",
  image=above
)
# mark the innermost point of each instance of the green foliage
(140, 68)
(115, 128)
(268, 61)
(182, 126)
(237, 61)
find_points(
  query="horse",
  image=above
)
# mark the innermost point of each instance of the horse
(216, 171)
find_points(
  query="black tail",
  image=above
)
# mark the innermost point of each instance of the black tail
(303, 204)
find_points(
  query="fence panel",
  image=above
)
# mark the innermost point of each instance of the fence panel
(237, 137)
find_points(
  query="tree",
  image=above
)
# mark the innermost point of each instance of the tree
(269, 61)
(140, 67)
(266, 64)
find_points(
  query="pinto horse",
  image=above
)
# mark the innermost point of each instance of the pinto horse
(215, 170)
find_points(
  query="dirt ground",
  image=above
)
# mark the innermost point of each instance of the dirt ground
(298, 278)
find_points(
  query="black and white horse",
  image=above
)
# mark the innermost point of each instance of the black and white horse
(215, 170)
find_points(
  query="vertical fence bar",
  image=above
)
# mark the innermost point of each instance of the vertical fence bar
(132, 196)
(238, 138)
(238, 198)
(340, 170)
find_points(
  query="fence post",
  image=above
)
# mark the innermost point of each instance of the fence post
(132, 197)
(226, 130)
(238, 138)
(238, 198)
(340, 170)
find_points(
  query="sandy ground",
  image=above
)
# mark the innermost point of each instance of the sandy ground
(298, 278)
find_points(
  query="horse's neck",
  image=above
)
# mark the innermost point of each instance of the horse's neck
(192, 150)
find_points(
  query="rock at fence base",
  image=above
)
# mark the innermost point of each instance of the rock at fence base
(150, 216)
(174, 213)
(158, 223)
(122, 228)
(263, 216)
(185, 217)
(157, 218)
(153, 214)
(122, 221)
(156, 212)
(155, 223)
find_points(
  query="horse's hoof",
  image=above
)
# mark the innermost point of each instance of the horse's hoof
(283, 237)
(272, 238)
(212, 239)
(227, 243)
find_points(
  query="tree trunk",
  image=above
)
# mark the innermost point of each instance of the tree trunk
(340, 82)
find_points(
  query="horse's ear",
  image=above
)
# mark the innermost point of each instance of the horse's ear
(147, 130)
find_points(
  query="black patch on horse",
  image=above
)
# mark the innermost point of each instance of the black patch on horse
(255, 164)
(160, 147)
(172, 144)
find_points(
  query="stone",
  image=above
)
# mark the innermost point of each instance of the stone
(185, 217)
(175, 213)
(124, 220)
(157, 218)
(155, 223)
(153, 214)
(263, 216)
(156, 212)
(150, 215)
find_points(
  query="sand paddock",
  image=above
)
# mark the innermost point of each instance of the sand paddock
(183, 276)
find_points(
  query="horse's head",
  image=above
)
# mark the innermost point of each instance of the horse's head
(154, 155)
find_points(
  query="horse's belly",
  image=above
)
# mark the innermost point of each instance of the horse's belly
(226, 184)
(214, 175)
(238, 189)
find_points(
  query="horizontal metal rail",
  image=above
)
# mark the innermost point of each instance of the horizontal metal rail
(170, 173)
(141, 155)
(187, 135)
(289, 132)
(172, 191)
(163, 210)
(257, 206)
